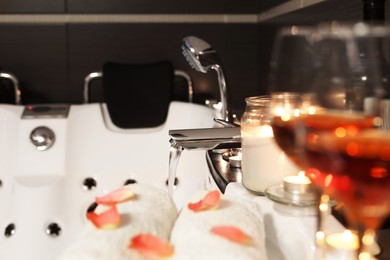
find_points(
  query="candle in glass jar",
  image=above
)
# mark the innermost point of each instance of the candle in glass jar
(263, 163)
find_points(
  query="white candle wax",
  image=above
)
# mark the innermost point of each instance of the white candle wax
(263, 163)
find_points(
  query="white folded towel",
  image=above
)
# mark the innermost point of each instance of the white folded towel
(151, 211)
(192, 239)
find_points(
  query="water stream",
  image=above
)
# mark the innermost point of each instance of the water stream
(174, 157)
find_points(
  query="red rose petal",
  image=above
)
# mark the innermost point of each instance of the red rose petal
(232, 233)
(151, 246)
(117, 196)
(108, 219)
(210, 201)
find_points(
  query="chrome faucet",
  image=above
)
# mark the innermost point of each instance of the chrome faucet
(199, 139)
(202, 57)
(206, 138)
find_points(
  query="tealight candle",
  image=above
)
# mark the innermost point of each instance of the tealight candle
(345, 240)
(297, 184)
(235, 161)
(342, 245)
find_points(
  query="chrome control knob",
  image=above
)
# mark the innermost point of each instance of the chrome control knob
(42, 137)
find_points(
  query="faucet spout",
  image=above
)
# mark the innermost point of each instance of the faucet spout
(202, 57)
(206, 138)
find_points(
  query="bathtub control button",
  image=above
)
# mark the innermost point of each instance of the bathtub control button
(42, 137)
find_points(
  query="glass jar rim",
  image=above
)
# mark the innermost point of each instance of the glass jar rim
(258, 100)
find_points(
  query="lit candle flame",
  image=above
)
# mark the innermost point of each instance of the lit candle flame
(346, 240)
(264, 131)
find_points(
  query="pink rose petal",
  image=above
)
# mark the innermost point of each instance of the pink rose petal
(210, 201)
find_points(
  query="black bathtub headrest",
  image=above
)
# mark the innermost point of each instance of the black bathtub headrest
(138, 95)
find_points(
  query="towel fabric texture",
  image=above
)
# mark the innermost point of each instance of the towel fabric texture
(151, 211)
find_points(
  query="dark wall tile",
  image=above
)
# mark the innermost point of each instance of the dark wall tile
(28, 6)
(239, 7)
(239, 54)
(92, 45)
(36, 55)
(52, 60)
(266, 36)
(265, 5)
(162, 7)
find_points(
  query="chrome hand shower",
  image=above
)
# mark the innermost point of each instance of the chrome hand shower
(202, 57)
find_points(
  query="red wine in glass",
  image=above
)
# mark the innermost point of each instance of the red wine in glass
(350, 159)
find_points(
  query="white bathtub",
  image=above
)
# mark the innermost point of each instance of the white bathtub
(40, 188)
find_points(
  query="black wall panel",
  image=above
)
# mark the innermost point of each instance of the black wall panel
(51, 60)
(92, 45)
(36, 55)
(162, 7)
(32, 6)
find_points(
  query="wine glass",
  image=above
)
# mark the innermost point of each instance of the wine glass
(334, 131)
(291, 78)
(344, 149)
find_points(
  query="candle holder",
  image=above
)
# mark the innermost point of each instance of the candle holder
(295, 191)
